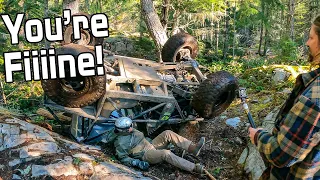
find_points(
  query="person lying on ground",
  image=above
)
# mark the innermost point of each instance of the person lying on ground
(293, 149)
(133, 149)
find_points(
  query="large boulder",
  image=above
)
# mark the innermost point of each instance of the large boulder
(250, 157)
(29, 151)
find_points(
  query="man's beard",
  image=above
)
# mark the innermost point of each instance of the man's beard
(310, 58)
(314, 60)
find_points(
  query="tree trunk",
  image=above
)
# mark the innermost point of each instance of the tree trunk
(3, 98)
(153, 23)
(266, 39)
(292, 9)
(212, 26)
(261, 39)
(165, 14)
(261, 28)
(175, 23)
(282, 20)
(87, 6)
(21, 30)
(311, 10)
(73, 5)
(266, 35)
(100, 6)
(46, 8)
(226, 36)
(234, 29)
(217, 35)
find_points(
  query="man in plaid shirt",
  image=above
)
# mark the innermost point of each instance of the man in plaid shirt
(293, 148)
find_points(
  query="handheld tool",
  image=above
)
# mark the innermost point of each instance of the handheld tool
(243, 96)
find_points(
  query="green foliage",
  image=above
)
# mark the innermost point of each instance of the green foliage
(143, 48)
(124, 16)
(24, 171)
(207, 54)
(287, 50)
(1, 64)
(1, 6)
(199, 17)
(40, 119)
(26, 96)
(247, 13)
(76, 161)
(216, 171)
(198, 5)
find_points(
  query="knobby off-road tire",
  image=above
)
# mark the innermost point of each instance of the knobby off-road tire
(170, 50)
(215, 94)
(78, 91)
(87, 37)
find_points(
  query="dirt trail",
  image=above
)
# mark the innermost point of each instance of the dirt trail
(220, 154)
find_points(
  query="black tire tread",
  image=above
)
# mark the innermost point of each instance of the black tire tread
(54, 90)
(175, 43)
(205, 98)
(68, 33)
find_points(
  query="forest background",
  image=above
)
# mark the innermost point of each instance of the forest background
(248, 38)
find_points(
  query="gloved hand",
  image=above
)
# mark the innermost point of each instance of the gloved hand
(141, 164)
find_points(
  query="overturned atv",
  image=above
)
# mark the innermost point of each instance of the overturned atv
(151, 93)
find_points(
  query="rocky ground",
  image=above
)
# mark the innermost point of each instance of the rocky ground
(29, 151)
(32, 152)
(226, 154)
(220, 154)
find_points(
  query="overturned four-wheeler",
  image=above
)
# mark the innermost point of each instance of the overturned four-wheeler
(151, 93)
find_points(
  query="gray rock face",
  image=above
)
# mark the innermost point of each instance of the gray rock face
(41, 145)
(10, 135)
(84, 156)
(280, 75)
(64, 167)
(252, 161)
(86, 168)
(233, 122)
(39, 149)
(250, 157)
(106, 168)
(16, 176)
(114, 177)
(14, 162)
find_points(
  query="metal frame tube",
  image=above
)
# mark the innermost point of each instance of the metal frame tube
(149, 110)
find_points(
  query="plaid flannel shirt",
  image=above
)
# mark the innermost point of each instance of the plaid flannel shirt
(293, 148)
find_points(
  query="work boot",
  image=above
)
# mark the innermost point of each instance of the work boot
(199, 168)
(196, 148)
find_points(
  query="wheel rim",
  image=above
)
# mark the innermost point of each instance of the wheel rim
(222, 99)
(78, 85)
(184, 52)
(84, 40)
